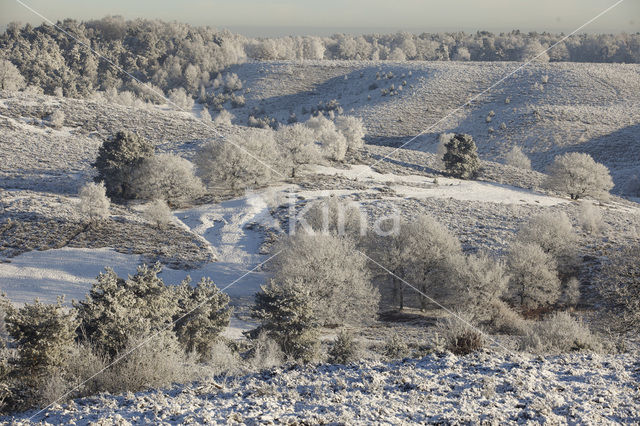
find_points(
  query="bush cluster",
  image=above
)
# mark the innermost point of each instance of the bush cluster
(153, 333)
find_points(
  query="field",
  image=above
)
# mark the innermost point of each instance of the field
(47, 251)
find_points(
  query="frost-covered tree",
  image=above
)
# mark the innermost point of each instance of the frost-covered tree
(287, 315)
(352, 128)
(473, 283)
(333, 216)
(461, 158)
(93, 204)
(334, 274)
(180, 99)
(117, 158)
(533, 51)
(44, 334)
(166, 177)
(223, 118)
(428, 249)
(619, 285)
(232, 83)
(158, 213)
(203, 314)
(298, 146)
(533, 276)
(517, 158)
(578, 175)
(117, 309)
(554, 234)
(10, 77)
(334, 144)
(239, 162)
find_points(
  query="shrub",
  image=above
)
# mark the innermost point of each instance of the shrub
(534, 279)
(286, 314)
(179, 98)
(166, 177)
(44, 335)
(265, 353)
(205, 115)
(56, 119)
(158, 213)
(240, 162)
(344, 349)
(146, 363)
(395, 348)
(223, 118)
(333, 274)
(460, 335)
(554, 233)
(116, 309)
(517, 158)
(333, 143)
(10, 77)
(619, 286)
(590, 218)
(93, 204)
(571, 292)
(352, 128)
(297, 144)
(560, 332)
(578, 175)
(461, 159)
(117, 158)
(203, 314)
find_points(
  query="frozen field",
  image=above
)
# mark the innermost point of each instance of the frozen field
(478, 389)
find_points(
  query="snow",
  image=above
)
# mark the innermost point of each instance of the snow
(484, 388)
(66, 271)
(464, 190)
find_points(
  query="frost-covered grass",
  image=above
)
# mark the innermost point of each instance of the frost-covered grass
(443, 389)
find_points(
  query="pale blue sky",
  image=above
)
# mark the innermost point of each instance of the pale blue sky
(279, 17)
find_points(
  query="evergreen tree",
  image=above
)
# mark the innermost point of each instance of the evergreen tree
(117, 158)
(461, 158)
(203, 313)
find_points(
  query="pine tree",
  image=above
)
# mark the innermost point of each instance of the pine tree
(117, 158)
(203, 313)
(117, 309)
(461, 158)
(286, 314)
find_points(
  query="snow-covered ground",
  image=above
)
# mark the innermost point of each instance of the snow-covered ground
(484, 388)
(228, 228)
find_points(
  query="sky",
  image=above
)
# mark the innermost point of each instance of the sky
(324, 17)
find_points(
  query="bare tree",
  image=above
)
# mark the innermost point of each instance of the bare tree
(353, 130)
(335, 276)
(10, 77)
(233, 162)
(554, 234)
(578, 175)
(517, 158)
(93, 203)
(534, 279)
(297, 144)
(167, 177)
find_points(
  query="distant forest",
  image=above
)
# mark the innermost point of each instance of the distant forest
(174, 56)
